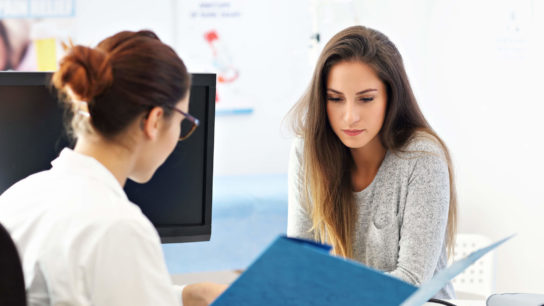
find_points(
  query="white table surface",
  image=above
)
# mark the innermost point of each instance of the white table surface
(461, 303)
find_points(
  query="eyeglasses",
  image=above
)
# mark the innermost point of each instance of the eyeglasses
(188, 124)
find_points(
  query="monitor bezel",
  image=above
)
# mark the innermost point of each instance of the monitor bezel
(168, 234)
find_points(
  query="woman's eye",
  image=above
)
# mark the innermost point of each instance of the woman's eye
(334, 99)
(368, 99)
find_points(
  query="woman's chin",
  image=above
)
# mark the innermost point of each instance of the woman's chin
(141, 179)
(354, 144)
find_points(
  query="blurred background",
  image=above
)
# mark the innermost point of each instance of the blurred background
(476, 68)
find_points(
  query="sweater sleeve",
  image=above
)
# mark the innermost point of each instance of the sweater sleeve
(423, 227)
(298, 220)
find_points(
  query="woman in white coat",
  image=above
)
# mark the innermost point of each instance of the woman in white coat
(81, 241)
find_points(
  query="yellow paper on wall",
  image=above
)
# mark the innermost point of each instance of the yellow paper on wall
(46, 51)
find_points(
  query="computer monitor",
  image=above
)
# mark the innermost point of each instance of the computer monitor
(177, 200)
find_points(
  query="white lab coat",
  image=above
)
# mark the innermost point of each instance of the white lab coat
(81, 241)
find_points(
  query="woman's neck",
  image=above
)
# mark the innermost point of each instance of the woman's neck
(116, 158)
(367, 161)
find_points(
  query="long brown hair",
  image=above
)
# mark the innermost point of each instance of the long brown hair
(124, 76)
(327, 163)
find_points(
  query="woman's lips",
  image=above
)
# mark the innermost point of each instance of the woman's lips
(353, 132)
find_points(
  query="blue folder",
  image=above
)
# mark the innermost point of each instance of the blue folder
(300, 272)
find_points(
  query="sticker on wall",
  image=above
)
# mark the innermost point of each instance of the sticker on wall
(31, 32)
(210, 41)
(37, 8)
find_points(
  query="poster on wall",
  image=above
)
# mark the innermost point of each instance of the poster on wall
(32, 33)
(211, 39)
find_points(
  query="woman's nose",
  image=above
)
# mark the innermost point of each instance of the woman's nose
(351, 113)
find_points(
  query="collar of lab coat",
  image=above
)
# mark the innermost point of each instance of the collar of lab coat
(74, 162)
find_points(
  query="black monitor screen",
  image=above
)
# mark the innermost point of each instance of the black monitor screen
(177, 199)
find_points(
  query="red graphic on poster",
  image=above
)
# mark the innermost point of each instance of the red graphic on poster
(227, 73)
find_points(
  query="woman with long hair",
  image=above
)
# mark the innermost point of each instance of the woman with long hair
(367, 173)
(81, 241)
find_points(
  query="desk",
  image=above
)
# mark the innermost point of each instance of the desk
(227, 277)
(461, 303)
(221, 277)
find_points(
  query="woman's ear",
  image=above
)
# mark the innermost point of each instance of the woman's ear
(153, 123)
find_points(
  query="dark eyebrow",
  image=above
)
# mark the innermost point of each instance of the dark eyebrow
(359, 93)
(365, 91)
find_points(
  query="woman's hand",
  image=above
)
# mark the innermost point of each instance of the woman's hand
(201, 294)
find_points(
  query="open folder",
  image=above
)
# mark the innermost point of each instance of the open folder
(301, 272)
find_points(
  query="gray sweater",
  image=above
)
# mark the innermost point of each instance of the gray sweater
(402, 214)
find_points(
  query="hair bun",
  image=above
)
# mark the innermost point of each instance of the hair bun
(85, 71)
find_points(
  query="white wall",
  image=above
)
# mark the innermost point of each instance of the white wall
(244, 144)
(95, 20)
(483, 93)
(476, 68)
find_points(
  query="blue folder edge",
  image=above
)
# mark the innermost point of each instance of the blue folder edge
(430, 288)
(241, 292)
